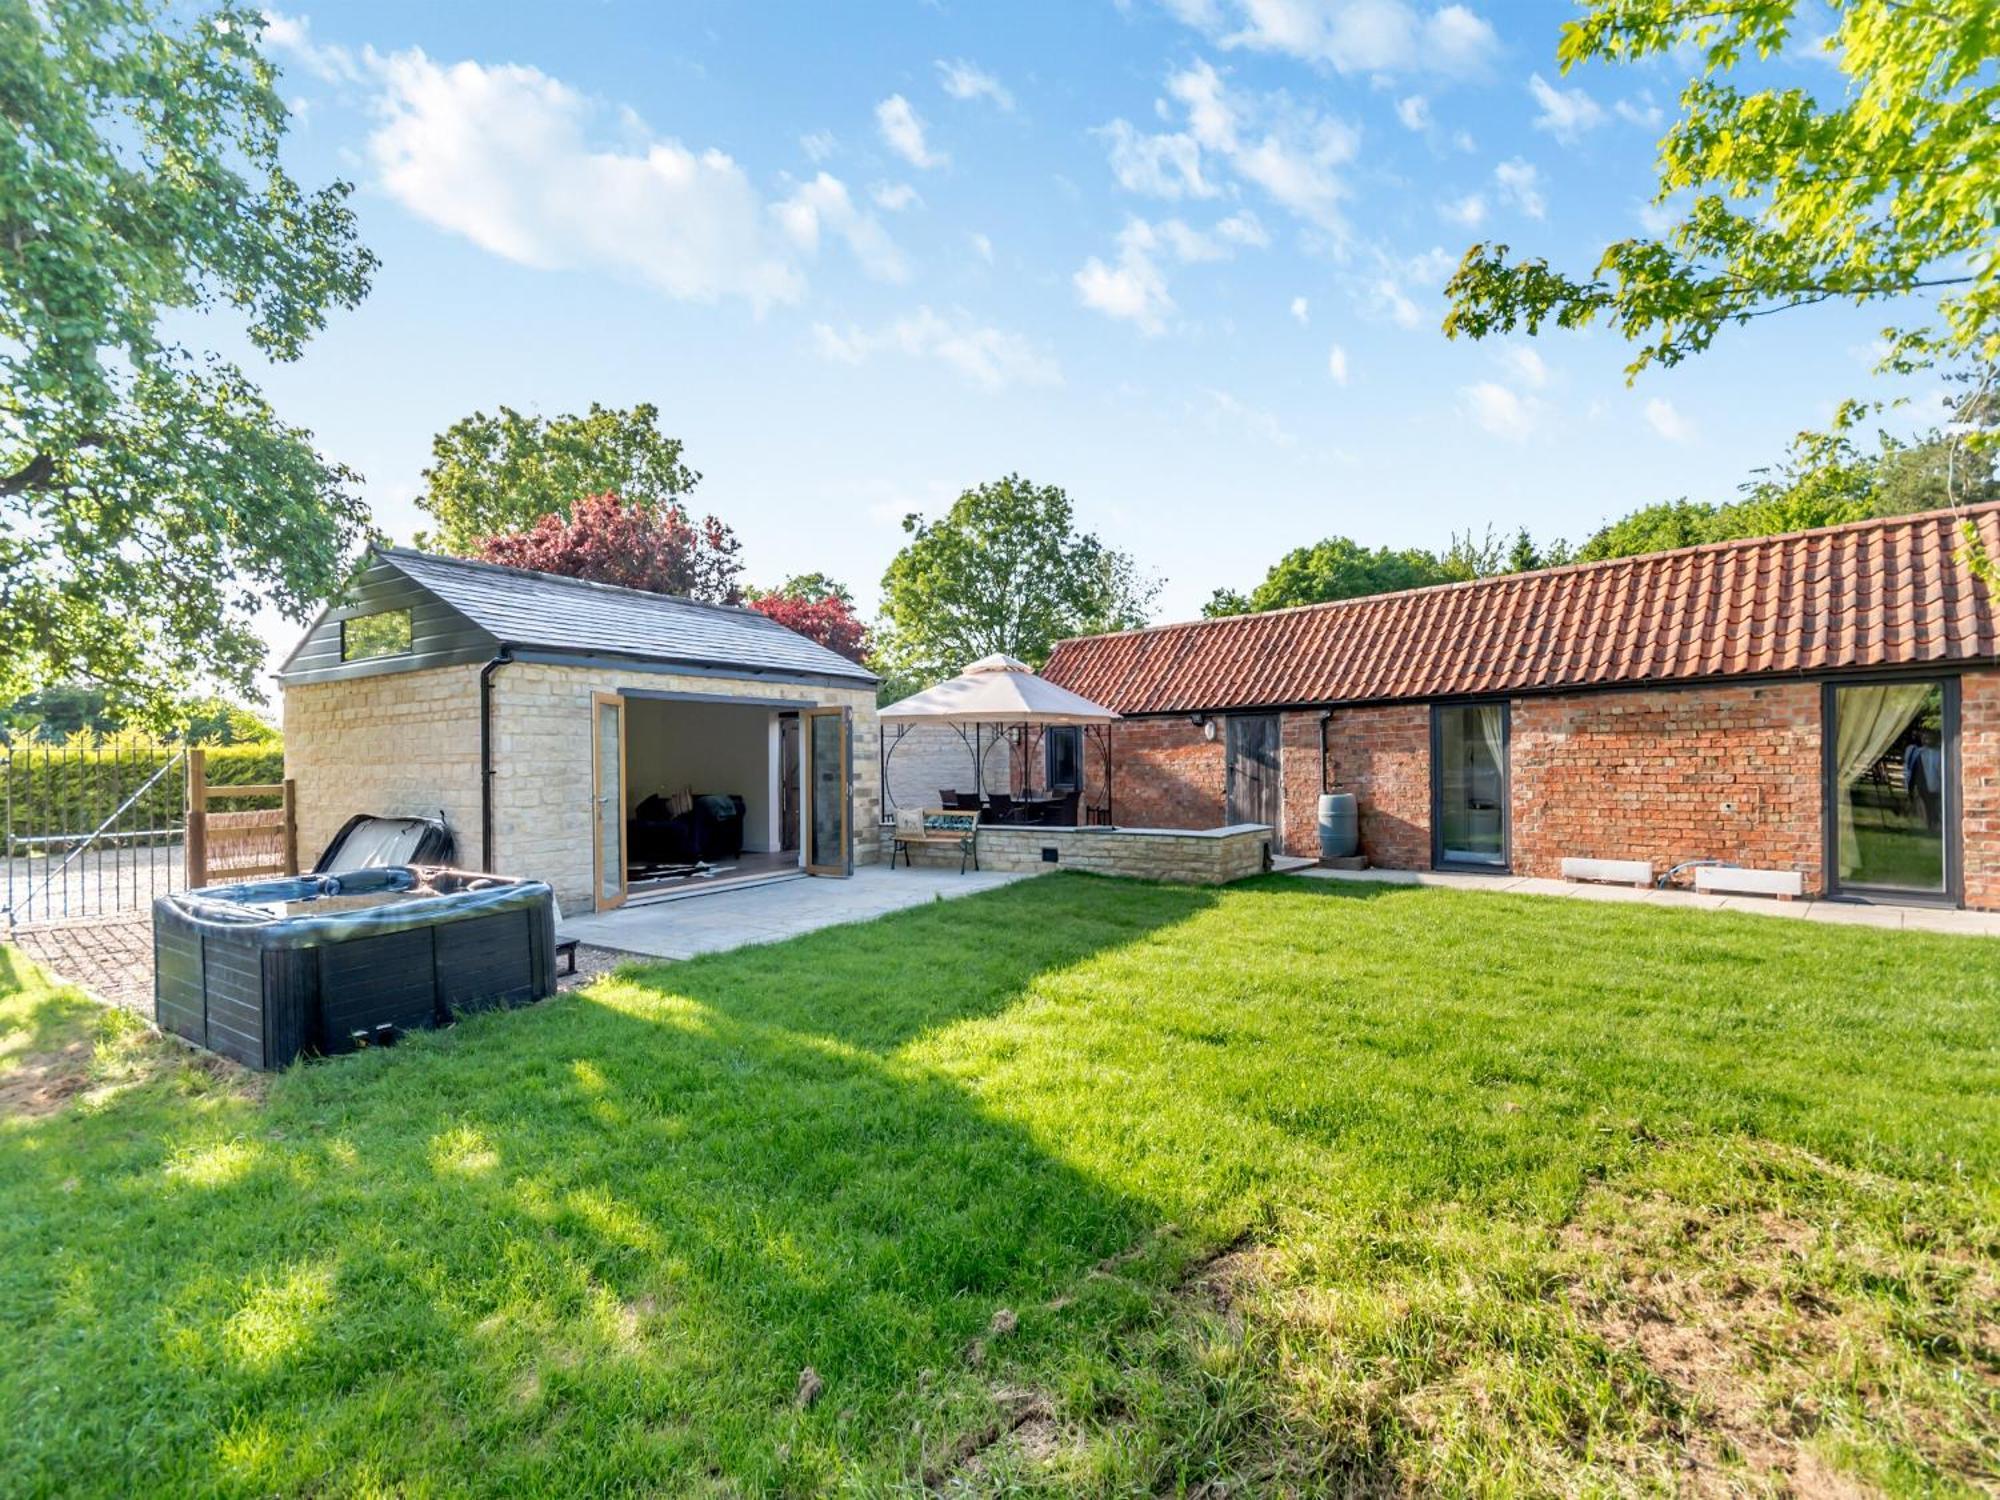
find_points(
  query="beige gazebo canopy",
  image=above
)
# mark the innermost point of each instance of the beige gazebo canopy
(997, 690)
(998, 695)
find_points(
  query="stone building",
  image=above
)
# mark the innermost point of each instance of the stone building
(612, 742)
(1825, 703)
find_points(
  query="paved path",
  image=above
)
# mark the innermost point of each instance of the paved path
(771, 913)
(1852, 913)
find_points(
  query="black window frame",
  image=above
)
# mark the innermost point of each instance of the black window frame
(1505, 864)
(1073, 733)
(408, 649)
(1951, 813)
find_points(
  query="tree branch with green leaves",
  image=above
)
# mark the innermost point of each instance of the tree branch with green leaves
(152, 500)
(1889, 194)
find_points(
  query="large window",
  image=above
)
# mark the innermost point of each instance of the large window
(1892, 786)
(1469, 785)
(367, 636)
(1063, 749)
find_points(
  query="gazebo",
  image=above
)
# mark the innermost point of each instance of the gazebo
(1001, 697)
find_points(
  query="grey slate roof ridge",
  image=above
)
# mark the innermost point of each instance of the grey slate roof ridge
(821, 660)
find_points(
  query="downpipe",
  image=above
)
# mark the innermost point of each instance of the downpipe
(505, 655)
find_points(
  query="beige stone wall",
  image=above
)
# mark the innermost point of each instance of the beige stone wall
(1212, 856)
(542, 748)
(399, 744)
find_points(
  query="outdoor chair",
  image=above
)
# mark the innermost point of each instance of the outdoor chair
(999, 808)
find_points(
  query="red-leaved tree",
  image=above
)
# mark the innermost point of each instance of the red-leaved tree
(830, 620)
(652, 547)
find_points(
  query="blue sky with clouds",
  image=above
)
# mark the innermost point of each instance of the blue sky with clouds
(1182, 257)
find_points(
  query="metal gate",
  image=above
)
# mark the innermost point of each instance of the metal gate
(90, 832)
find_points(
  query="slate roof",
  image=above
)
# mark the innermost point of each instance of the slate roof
(547, 612)
(1880, 593)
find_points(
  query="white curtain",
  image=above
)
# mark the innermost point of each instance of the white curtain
(1867, 721)
(1489, 717)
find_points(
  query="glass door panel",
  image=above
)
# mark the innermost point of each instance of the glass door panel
(1891, 785)
(826, 792)
(1469, 750)
(607, 791)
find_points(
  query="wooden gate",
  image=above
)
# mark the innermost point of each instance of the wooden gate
(1255, 793)
(239, 843)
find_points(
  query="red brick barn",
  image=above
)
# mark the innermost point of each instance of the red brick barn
(1826, 702)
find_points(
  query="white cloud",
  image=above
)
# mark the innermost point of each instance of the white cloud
(893, 197)
(1390, 298)
(1351, 36)
(1500, 411)
(1414, 112)
(1301, 311)
(1135, 287)
(1244, 228)
(291, 37)
(1336, 364)
(982, 247)
(1665, 419)
(964, 80)
(1293, 153)
(502, 156)
(1463, 141)
(1469, 211)
(903, 130)
(1527, 366)
(1640, 111)
(1565, 114)
(824, 203)
(1259, 424)
(989, 357)
(1658, 218)
(1134, 290)
(1159, 166)
(1520, 184)
(1432, 267)
(818, 145)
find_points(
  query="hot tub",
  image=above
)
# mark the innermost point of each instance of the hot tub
(266, 971)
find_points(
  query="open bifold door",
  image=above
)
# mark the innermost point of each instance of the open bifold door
(825, 748)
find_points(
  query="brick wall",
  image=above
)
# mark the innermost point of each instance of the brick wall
(399, 744)
(1979, 781)
(1163, 774)
(1729, 773)
(1383, 756)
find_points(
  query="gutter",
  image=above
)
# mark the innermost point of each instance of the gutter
(504, 656)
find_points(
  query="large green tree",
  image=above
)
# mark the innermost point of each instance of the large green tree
(150, 498)
(1337, 568)
(1888, 189)
(1005, 569)
(498, 474)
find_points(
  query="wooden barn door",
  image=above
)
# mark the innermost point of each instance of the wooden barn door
(1254, 792)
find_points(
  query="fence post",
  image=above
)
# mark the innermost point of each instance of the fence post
(291, 832)
(197, 819)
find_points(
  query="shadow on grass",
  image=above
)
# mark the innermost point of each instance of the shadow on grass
(589, 1245)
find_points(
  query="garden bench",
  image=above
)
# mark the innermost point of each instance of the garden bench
(937, 825)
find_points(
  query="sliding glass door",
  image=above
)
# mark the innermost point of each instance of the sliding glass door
(1891, 762)
(1469, 785)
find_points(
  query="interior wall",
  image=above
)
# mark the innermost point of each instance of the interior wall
(707, 748)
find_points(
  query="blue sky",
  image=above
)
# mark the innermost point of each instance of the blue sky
(1182, 257)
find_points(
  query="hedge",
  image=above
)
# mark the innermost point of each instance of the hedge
(52, 790)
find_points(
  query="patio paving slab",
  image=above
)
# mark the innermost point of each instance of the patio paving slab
(1808, 909)
(771, 913)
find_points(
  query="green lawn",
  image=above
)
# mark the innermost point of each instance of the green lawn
(1079, 1186)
